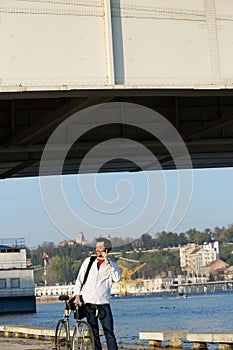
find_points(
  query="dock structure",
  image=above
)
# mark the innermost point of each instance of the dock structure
(11, 331)
(156, 338)
(199, 340)
(28, 332)
(174, 339)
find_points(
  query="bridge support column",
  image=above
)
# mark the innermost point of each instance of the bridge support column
(200, 346)
(155, 343)
(225, 346)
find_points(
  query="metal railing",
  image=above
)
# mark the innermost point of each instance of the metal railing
(13, 242)
(205, 287)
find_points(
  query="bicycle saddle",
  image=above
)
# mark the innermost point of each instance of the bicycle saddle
(64, 297)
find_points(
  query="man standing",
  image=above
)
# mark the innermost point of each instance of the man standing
(96, 292)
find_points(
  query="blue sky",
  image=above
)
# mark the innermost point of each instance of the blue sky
(23, 213)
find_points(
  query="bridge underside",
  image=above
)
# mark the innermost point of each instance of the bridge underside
(203, 118)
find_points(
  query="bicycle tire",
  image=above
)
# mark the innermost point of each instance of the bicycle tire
(61, 336)
(83, 338)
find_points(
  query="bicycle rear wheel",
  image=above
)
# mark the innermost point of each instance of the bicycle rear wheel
(61, 336)
(83, 338)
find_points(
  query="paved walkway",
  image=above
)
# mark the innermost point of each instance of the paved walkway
(30, 344)
(22, 344)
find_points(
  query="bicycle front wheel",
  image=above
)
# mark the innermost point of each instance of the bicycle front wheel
(83, 338)
(61, 336)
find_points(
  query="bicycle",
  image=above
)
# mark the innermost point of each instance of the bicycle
(82, 338)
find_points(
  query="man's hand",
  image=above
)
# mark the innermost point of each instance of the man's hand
(105, 256)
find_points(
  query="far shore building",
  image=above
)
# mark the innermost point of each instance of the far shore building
(80, 239)
(229, 273)
(217, 268)
(185, 252)
(194, 257)
(69, 242)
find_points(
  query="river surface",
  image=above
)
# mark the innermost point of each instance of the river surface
(202, 313)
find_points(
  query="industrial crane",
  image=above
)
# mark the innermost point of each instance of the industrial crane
(126, 275)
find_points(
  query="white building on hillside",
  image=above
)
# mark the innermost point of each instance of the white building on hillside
(185, 252)
(194, 257)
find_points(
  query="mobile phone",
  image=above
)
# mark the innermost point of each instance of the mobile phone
(106, 250)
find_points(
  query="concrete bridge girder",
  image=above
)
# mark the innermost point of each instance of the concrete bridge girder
(61, 57)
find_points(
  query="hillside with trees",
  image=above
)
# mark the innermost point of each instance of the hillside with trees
(160, 253)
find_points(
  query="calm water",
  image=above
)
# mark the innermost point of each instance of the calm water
(211, 313)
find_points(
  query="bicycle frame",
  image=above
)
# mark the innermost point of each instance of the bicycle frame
(63, 339)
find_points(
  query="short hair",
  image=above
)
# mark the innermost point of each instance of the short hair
(107, 242)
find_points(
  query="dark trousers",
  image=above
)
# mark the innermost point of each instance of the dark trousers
(104, 314)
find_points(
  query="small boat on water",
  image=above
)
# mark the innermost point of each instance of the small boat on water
(182, 295)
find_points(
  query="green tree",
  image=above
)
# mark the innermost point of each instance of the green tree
(147, 241)
(60, 270)
(183, 238)
(195, 236)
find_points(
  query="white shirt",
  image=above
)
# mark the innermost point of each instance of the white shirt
(97, 289)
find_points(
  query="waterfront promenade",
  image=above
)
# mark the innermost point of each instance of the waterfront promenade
(22, 344)
(28, 344)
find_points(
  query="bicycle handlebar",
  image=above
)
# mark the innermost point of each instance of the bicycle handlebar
(71, 305)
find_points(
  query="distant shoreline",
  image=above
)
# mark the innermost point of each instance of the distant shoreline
(54, 299)
(47, 299)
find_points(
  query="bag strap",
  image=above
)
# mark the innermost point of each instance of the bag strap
(92, 259)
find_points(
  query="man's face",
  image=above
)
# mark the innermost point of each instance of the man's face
(99, 248)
